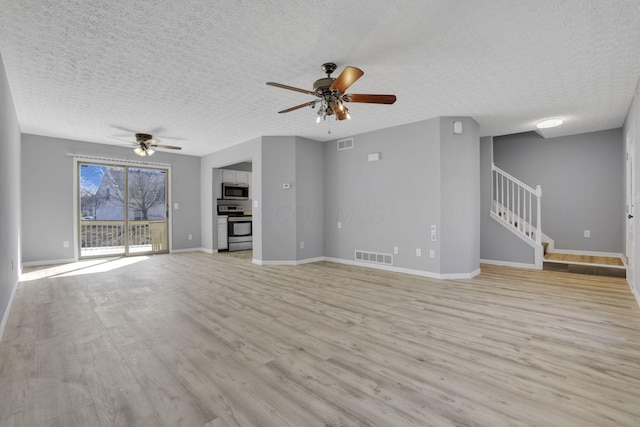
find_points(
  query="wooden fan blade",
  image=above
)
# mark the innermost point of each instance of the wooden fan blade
(368, 98)
(347, 77)
(169, 147)
(297, 107)
(308, 92)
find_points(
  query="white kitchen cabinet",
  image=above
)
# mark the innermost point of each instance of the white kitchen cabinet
(240, 177)
(249, 184)
(223, 242)
(228, 175)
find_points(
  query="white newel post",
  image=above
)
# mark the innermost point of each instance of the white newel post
(539, 215)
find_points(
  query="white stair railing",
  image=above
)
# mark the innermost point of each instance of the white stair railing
(517, 205)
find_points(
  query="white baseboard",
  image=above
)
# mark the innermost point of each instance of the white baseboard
(590, 253)
(5, 317)
(457, 276)
(181, 251)
(633, 291)
(508, 264)
(413, 272)
(48, 262)
(293, 262)
(208, 251)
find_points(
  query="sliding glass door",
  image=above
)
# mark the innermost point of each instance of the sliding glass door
(122, 210)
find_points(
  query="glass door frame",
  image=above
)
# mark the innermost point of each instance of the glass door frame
(126, 165)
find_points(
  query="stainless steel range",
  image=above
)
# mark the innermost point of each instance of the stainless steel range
(239, 227)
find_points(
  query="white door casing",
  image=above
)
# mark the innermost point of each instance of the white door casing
(630, 206)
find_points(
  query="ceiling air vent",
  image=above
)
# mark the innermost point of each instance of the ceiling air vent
(374, 257)
(345, 144)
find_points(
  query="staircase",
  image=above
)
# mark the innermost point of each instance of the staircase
(517, 207)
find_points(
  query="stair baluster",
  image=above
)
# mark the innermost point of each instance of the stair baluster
(512, 204)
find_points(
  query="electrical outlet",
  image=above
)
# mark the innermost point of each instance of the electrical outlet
(432, 253)
(255, 203)
(587, 233)
(65, 244)
(433, 236)
(339, 224)
(301, 244)
(418, 252)
(190, 236)
(395, 250)
(176, 206)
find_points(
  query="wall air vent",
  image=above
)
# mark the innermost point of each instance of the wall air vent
(374, 257)
(345, 144)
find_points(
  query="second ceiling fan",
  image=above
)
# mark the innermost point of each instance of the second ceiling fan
(331, 96)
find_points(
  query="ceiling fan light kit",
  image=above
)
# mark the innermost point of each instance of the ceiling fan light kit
(146, 144)
(331, 93)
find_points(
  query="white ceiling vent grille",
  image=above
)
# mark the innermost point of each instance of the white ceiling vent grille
(374, 257)
(345, 144)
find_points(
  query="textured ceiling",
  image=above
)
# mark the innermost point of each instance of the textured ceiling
(194, 72)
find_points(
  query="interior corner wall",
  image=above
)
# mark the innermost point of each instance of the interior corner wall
(10, 194)
(459, 231)
(250, 151)
(582, 179)
(496, 242)
(47, 206)
(309, 190)
(386, 203)
(278, 213)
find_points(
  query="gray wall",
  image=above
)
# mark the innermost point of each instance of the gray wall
(460, 197)
(309, 188)
(293, 215)
(496, 242)
(394, 201)
(242, 166)
(47, 194)
(10, 257)
(279, 205)
(386, 203)
(582, 178)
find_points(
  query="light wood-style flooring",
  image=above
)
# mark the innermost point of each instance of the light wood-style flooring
(213, 340)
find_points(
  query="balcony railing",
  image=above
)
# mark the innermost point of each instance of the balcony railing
(108, 237)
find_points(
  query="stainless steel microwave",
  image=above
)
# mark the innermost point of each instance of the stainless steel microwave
(235, 191)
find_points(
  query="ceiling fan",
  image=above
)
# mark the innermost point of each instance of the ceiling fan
(146, 144)
(331, 93)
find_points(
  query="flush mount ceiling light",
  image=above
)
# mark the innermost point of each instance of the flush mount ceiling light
(550, 123)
